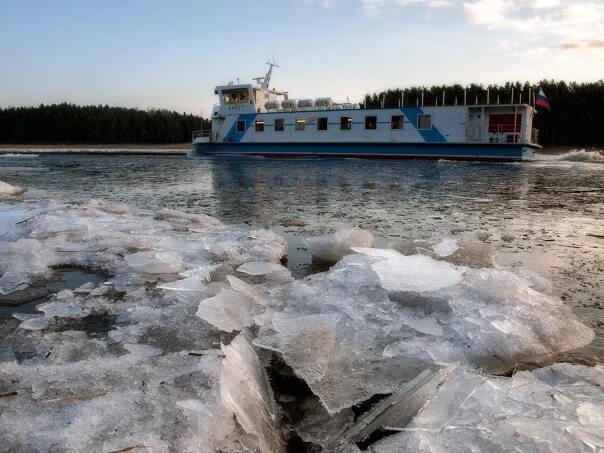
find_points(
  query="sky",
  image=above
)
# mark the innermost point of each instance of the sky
(171, 54)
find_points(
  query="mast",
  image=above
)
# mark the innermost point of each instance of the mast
(266, 80)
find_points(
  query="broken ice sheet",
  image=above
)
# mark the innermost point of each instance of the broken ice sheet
(8, 190)
(155, 262)
(192, 284)
(245, 389)
(248, 290)
(202, 272)
(415, 273)
(229, 310)
(333, 247)
(446, 247)
(484, 317)
(474, 412)
(59, 309)
(261, 268)
(31, 321)
(395, 411)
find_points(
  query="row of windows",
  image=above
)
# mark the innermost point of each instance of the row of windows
(396, 122)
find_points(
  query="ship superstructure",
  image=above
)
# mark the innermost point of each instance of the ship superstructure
(256, 119)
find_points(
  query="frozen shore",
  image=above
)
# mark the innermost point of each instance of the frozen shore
(182, 346)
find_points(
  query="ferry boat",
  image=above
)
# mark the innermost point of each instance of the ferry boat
(253, 119)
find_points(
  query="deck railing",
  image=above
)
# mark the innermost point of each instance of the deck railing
(202, 133)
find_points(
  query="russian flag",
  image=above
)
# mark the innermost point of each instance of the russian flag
(542, 100)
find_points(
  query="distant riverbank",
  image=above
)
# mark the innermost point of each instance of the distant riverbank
(165, 149)
(173, 148)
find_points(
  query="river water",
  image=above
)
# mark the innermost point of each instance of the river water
(545, 216)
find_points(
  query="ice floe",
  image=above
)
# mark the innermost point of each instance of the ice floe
(543, 410)
(446, 247)
(193, 284)
(245, 389)
(369, 314)
(170, 349)
(8, 190)
(229, 310)
(333, 247)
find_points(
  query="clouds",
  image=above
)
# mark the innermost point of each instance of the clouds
(546, 24)
(552, 24)
(375, 8)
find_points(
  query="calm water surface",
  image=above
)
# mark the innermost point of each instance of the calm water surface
(546, 216)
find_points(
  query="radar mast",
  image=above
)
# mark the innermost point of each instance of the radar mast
(264, 81)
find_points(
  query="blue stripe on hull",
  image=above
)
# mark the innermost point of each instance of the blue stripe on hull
(500, 152)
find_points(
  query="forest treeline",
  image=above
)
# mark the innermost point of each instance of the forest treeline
(576, 117)
(73, 124)
(577, 109)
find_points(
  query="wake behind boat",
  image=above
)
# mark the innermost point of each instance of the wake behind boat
(257, 120)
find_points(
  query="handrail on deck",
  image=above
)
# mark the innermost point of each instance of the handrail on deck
(202, 133)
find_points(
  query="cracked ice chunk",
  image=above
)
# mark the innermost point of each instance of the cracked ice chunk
(445, 247)
(473, 412)
(31, 322)
(63, 310)
(228, 311)
(415, 273)
(7, 190)
(396, 411)
(248, 290)
(333, 247)
(155, 262)
(202, 272)
(186, 284)
(261, 268)
(245, 389)
(143, 350)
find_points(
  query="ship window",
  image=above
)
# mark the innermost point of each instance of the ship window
(300, 124)
(259, 125)
(370, 122)
(424, 121)
(235, 96)
(241, 126)
(321, 124)
(397, 122)
(279, 125)
(345, 123)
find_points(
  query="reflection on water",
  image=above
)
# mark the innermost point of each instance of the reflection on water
(545, 216)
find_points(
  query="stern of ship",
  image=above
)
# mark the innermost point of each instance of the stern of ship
(201, 139)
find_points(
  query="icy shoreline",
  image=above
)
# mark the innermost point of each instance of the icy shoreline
(170, 351)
